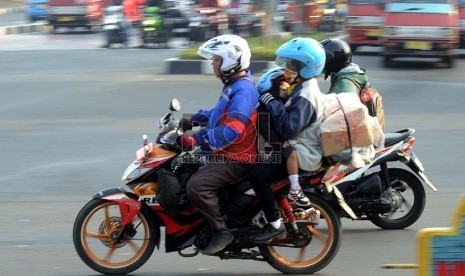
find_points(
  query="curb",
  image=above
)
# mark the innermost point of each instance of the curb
(182, 66)
(25, 28)
(18, 29)
(11, 10)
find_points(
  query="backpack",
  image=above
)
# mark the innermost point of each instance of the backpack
(371, 98)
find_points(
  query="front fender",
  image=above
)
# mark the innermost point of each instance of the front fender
(129, 204)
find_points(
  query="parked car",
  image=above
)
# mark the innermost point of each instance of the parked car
(37, 10)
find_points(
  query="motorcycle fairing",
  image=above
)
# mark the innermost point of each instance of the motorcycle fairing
(128, 203)
(156, 156)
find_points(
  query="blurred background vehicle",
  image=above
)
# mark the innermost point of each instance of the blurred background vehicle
(76, 13)
(215, 14)
(36, 10)
(462, 22)
(363, 23)
(153, 31)
(333, 16)
(300, 16)
(199, 29)
(115, 27)
(284, 15)
(421, 29)
(244, 23)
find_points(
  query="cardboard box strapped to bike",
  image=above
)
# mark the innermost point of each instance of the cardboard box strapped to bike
(346, 124)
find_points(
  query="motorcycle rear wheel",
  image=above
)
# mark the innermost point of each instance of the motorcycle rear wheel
(415, 193)
(325, 242)
(96, 246)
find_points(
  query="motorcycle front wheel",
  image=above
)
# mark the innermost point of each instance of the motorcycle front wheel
(95, 238)
(412, 196)
(312, 256)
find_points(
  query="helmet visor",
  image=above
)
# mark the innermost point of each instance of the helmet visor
(288, 63)
(205, 54)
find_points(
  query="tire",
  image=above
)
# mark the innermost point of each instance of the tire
(386, 61)
(415, 192)
(325, 241)
(92, 238)
(449, 61)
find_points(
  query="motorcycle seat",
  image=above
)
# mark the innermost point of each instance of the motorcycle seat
(395, 137)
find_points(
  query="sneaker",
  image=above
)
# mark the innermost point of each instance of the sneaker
(268, 233)
(298, 197)
(219, 240)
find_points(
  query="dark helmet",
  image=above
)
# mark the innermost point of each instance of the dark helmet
(338, 55)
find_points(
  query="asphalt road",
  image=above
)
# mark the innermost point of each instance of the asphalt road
(71, 120)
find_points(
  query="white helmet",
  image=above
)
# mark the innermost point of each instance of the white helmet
(233, 49)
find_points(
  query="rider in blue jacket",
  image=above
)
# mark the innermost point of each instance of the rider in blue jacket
(229, 133)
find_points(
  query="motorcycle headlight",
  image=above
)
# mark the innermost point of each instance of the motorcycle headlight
(329, 11)
(149, 22)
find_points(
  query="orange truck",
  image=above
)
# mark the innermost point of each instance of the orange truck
(76, 13)
(462, 22)
(421, 29)
(363, 23)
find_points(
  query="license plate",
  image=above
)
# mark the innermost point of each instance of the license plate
(374, 32)
(417, 45)
(416, 162)
(65, 18)
(110, 27)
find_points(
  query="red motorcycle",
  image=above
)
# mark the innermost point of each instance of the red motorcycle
(117, 231)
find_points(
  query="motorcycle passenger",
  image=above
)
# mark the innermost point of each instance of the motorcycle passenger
(230, 133)
(280, 83)
(297, 121)
(339, 67)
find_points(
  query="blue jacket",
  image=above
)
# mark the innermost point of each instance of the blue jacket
(298, 120)
(230, 127)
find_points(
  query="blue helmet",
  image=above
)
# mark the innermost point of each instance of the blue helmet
(309, 52)
(266, 80)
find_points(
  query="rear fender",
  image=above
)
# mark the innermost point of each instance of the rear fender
(128, 203)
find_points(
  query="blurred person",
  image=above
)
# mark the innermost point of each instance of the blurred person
(297, 121)
(283, 82)
(230, 133)
(114, 16)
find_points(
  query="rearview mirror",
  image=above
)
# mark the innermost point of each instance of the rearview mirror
(175, 105)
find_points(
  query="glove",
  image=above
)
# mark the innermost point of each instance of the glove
(185, 124)
(202, 142)
(266, 98)
(186, 141)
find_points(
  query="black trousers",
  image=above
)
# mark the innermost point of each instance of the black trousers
(203, 187)
(261, 177)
